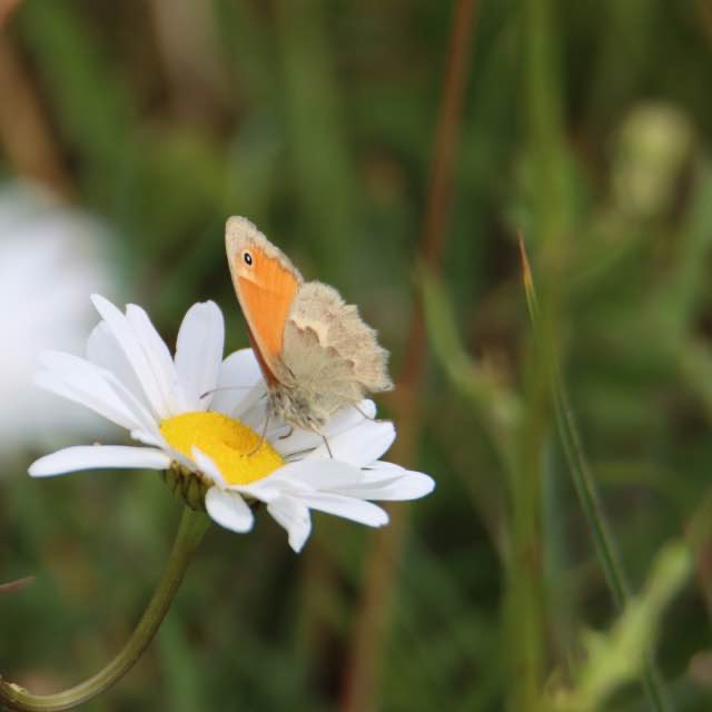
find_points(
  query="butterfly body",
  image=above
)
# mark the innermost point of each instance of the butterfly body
(316, 353)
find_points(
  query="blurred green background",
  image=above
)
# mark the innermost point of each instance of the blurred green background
(585, 125)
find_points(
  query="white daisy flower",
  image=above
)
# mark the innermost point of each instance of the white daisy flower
(201, 420)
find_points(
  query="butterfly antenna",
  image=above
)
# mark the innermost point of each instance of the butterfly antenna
(224, 388)
(263, 437)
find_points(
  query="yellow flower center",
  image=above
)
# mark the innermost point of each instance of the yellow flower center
(241, 455)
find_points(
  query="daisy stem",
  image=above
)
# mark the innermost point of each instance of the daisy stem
(192, 527)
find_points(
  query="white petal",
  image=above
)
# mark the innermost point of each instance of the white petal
(179, 458)
(50, 382)
(253, 412)
(199, 350)
(390, 483)
(347, 418)
(356, 510)
(92, 386)
(154, 438)
(293, 516)
(359, 446)
(299, 442)
(159, 358)
(304, 476)
(81, 381)
(351, 416)
(239, 375)
(90, 457)
(136, 354)
(207, 466)
(228, 510)
(103, 350)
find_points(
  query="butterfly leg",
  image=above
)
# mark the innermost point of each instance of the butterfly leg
(365, 415)
(263, 436)
(328, 448)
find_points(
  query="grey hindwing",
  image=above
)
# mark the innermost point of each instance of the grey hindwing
(329, 350)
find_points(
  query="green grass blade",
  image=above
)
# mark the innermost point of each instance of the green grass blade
(584, 483)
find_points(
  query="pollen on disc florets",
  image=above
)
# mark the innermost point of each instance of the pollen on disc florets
(239, 453)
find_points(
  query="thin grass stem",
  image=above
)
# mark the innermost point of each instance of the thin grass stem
(584, 483)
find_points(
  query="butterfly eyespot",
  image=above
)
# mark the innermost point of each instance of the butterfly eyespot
(248, 258)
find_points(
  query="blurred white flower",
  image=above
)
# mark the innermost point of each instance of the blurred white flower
(51, 257)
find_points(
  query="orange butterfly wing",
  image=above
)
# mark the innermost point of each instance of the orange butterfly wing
(266, 303)
(266, 289)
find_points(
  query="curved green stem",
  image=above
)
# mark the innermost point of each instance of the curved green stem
(193, 526)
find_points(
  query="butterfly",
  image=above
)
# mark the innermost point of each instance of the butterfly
(316, 353)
